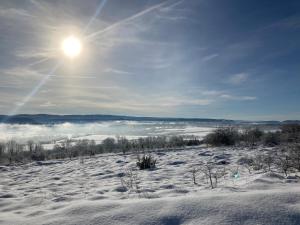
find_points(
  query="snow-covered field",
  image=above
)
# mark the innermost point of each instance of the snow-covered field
(92, 191)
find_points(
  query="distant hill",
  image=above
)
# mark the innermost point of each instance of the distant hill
(54, 119)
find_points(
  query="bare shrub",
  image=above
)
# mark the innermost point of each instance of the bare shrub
(294, 153)
(30, 146)
(13, 149)
(130, 181)
(284, 164)
(81, 160)
(271, 138)
(194, 141)
(290, 133)
(176, 141)
(123, 144)
(258, 162)
(108, 144)
(2, 148)
(212, 173)
(252, 136)
(38, 153)
(222, 137)
(67, 148)
(269, 161)
(246, 162)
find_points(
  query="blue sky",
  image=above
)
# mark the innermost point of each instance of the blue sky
(189, 58)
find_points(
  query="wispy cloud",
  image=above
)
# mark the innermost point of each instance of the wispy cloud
(212, 92)
(240, 98)
(73, 76)
(125, 100)
(171, 6)
(237, 79)
(116, 71)
(209, 57)
(48, 104)
(21, 71)
(222, 94)
(175, 101)
(14, 13)
(171, 18)
(135, 16)
(36, 53)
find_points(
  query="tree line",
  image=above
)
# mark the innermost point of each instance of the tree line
(251, 137)
(13, 152)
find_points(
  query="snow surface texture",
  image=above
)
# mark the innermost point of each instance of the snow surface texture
(95, 190)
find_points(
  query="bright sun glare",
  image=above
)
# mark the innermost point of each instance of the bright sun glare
(71, 46)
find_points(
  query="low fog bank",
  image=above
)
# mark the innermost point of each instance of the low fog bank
(100, 130)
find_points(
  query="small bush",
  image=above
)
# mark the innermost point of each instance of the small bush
(109, 144)
(247, 162)
(269, 160)
(294, 153)
(284, 163)
(176, 141)
(38, 156)
(290, 133)
(212, 173)
(271, 138)
(130, 180)
(252, 136)
(146, 162)
(222, 136)
(258, 162)
(290, 128)
(193, 142)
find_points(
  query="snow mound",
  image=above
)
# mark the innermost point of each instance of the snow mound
(272, 208)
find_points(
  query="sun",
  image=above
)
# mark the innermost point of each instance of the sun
(71, 46)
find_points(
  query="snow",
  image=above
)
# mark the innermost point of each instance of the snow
(93, 192)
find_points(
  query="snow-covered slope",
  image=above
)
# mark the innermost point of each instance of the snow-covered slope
(94, 191)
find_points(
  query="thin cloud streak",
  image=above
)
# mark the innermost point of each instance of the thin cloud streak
(239, 98)
(209, 57)
(128, 19)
